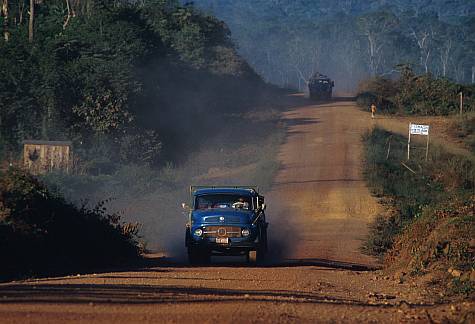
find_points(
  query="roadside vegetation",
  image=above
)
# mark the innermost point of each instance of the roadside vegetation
(463, 129)
(42, 234)
(428, 224)
(412, 94)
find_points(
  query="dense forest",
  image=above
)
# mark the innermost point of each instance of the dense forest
(287, 41)
(124, 80)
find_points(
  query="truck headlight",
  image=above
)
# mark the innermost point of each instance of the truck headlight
(245, 232)
(198, 232)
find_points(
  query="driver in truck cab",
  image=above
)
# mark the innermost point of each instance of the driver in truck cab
(241, 204)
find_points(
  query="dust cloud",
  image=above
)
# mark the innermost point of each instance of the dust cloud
(231, 148)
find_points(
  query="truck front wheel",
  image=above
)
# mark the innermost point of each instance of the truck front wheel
(255, 257)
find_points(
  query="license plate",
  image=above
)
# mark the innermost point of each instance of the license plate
(222, 240)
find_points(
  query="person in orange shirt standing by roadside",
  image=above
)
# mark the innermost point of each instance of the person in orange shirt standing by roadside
(373, 110)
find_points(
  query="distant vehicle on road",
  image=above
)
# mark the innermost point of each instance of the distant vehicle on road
(320, 87)
(227, 221)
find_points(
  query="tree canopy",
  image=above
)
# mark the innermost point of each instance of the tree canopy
(113, 76)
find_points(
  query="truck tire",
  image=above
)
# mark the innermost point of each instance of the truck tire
(251, 257)
(255, 257)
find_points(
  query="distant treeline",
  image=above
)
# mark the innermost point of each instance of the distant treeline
(124, 80)
(286, 41)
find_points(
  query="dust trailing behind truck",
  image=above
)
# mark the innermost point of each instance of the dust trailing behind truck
(320, 87)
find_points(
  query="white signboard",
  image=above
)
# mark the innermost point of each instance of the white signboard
(419, 129)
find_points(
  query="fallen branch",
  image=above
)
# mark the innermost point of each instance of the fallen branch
(389, 146)
(404, 165)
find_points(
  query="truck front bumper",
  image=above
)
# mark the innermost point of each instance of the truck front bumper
(235, 246)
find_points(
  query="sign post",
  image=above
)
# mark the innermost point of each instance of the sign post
(415, 129)
(461, 102)
(427, 147)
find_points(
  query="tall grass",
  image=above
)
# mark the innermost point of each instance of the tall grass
(463, 128)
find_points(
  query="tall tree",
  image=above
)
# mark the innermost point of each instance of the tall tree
(376, 28)
(31, 20)
(68, 15)
(446, 41)
(421, 30)
(469, 47)
(6, 32)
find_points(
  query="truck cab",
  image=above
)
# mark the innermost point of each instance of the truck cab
(320, 87)
(225, 221)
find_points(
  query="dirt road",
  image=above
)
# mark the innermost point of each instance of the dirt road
(319, 205)
(319, 189)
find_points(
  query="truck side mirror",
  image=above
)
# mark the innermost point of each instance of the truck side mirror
(185, 207)
(264, 206)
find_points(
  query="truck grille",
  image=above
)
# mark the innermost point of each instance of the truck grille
(222, 231)
(228, 219)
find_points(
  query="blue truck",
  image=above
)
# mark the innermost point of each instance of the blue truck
(227, 221)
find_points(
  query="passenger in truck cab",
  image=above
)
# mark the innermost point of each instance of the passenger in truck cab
(241, 204)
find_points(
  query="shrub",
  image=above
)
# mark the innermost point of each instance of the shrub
(40, 233)
(381, 235)
(463, 127)
(415, 94)
(378, 91)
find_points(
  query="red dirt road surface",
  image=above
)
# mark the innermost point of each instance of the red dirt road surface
(319, 205)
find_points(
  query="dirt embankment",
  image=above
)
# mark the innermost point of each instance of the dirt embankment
(319, 209)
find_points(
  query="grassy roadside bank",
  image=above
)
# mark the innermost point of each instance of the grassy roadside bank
(41, 234)
(428, 225)
(463, 128)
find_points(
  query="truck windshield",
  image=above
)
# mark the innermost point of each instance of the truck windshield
(223, 201)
